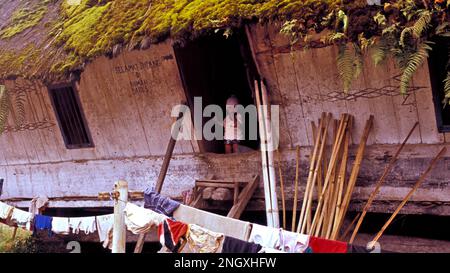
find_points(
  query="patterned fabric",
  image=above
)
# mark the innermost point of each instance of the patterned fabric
(201, 240)
(170, 233)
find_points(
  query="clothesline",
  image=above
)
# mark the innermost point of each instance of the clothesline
(175, 235)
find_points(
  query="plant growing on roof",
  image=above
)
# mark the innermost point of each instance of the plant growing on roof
(18, 113)
(4, 107)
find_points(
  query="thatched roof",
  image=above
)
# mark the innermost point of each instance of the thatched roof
(52, 38)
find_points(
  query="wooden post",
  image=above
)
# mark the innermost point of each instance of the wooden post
(119, 229)
(162, 175)
(408, 196)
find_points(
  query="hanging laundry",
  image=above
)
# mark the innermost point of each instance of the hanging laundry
(86, 224)
(292, 242)
(201, 240)
(37, 204)
(170, 233)
(231, 227)
(5, 211)
(319, 245)
(104, 224)
(60, 225)
(233, 245)
(158, 203)
(266, 236)
(21, 218)
(140, 220)
(270, 250)
(42, 222)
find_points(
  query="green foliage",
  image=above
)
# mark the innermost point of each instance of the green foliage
(419, 27)
(28, 15)
(349, 65)
(410, 62)
(4, 107)
(446, 90)
(23, 242)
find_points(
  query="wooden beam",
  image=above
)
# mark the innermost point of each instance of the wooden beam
(244, 198)
(119, 229)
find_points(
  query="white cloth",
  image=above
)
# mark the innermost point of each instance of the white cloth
(140, 220)
(21, 218)
(232, 127)
(270, 250)
(60, 225)
(267, 237)
(104, 224)
(5, 210)
(37, 204)
(294, 242)
(86, 224)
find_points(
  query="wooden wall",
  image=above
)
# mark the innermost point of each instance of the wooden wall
(306, 83)
(127, 102)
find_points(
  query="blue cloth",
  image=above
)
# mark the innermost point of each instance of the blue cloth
(158, 203)
(42, 222)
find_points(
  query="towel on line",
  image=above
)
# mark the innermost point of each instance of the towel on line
(60, 226)
(140, 220)
(5, 211)
(21, 218)
(85, 224)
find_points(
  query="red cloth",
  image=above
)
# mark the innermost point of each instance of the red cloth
(170, 232)
(319, 245)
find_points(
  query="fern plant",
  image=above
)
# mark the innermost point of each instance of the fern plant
(446, 90)
(349, 64)
(4, 107)
(410, 61)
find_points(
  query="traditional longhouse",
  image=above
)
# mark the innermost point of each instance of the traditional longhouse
(92, 85)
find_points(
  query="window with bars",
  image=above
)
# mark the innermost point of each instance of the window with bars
(71, 120)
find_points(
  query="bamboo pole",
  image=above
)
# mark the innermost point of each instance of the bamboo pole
(333, 158)
(379, 183)
(347, 230)
(408, 196)
(355, 170)
(341, 183)
(322, 141)
(271, 164)
(119, 229)
(283, 200)
(317, 173)
(265, 171)
(310, 173)
(294, 208)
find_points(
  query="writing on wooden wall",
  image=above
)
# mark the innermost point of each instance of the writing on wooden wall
(138, 82)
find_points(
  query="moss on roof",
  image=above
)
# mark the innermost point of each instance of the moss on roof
(27, 15)
(79, 33)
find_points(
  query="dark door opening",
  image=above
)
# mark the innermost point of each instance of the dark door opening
(438, 67)
(214, 67)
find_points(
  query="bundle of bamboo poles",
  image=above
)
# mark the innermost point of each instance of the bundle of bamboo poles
(328, 181)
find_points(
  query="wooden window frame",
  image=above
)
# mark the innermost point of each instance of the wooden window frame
(437, 101)
(68, 145)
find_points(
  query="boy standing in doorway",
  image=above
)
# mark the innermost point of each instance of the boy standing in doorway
(232, 125)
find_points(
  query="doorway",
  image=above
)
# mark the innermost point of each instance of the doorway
(215, 67)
